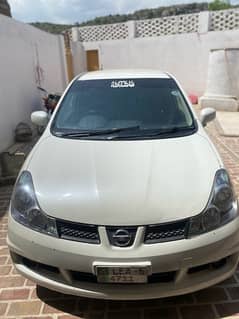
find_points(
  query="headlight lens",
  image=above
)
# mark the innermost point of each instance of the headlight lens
(221, 209)
(212, 218)
(26, 210)
(223, 197)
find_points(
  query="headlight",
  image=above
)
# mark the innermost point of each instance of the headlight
(221, 209)
(26, 210)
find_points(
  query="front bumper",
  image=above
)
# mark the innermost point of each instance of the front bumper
(180, 267)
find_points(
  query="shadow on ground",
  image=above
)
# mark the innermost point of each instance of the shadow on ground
(196, 306)
(93, 308)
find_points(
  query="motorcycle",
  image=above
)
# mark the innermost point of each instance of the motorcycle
(49, 104)
(50, 100)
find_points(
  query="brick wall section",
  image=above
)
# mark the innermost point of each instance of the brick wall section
(20, 298)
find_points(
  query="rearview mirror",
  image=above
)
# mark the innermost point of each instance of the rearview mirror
(40, 118)
(207, 115)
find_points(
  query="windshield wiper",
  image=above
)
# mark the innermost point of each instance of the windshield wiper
(172, 130)
(98, 132)
(157, 132)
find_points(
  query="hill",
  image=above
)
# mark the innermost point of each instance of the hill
(139, 15)
(52, 27)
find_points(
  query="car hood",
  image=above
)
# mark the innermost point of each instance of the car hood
(123, 182)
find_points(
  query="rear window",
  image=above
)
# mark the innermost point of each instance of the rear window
(108, 104)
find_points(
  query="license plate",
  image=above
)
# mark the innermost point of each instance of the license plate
(124, 275)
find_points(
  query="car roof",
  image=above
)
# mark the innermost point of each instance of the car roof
(123, 74)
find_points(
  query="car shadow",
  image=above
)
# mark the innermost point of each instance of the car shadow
(185, 306)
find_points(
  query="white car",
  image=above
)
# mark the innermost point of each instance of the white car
(124, 196)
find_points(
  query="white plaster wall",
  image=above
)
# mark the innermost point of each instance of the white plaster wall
(23, 50)
(79, 57)
(184, 55)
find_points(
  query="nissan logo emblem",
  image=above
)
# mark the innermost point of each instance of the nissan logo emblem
(122, 237)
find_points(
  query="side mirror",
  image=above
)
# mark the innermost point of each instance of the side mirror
(207, 115)
(40, 118)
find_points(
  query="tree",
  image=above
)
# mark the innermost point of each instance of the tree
(219, 5)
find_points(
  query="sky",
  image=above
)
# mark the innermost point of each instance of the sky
(72, 11)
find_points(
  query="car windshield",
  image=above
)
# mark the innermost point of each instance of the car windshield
(132, 107)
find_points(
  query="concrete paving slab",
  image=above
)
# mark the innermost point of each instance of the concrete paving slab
(228, 123)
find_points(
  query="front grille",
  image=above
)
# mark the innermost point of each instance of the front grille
(78, 232)
(35, 266)
(162, 277)
(214, 265)
(77, 276)
(165, 232)
(122, 236)
(152, 279)
(83, 276)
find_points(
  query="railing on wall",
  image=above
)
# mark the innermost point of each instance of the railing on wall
(168, 25)
(224, 20)
(104, 32)
(189, 23)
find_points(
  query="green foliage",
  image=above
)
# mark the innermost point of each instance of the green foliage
(118, 18)
(140, 15)
(219, 5)
(150, 13)
(51, 27)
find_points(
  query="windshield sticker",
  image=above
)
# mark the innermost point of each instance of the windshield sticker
(122, 84)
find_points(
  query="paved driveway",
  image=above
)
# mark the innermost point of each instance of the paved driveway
(20, 298)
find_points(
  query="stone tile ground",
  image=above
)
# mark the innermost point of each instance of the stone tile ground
(20, 298)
